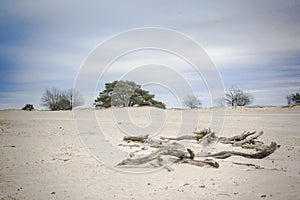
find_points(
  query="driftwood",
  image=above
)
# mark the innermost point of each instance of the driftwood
(184, 137)
(155, 155)
(209, 138)
(199, 163)
(130, 145)
(182, 157)
(257, 145)
(202, 132)
(249, 165)
(249, 140)
(178, 153)
(198, 135)
(259, 155)
(236, 138)
(136, 138)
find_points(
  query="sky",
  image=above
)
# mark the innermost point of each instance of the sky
(254, 45)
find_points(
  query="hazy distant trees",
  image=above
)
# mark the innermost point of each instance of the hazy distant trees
(191, 101)
(293, 98)
(237, 97)
(56, 99)
(126, 94)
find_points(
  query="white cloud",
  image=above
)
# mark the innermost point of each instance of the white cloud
(237, 35)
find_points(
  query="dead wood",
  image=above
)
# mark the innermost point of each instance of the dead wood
(199, 163)
(209, 138)
(259, 155)
(236, 138)
(176, 153)
(192, 154)
(155, 155)
(257, 145)
(160, 163)
(184, 137)
(182, 157)
(142, 138)
(249, 140)
(249, 164)
(198, 135)
(202, 132)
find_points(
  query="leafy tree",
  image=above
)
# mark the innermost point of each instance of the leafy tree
(237, 97)
(126, 94)
(191, 101)
(56, 99)
(28, 107)
(296, 98)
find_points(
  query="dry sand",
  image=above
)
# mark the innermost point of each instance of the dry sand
(42, 157)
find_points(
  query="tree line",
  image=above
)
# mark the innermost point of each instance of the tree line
(128, 94)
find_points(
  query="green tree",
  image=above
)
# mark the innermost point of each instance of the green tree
(28, 107)
(126, 94)
(293, 98)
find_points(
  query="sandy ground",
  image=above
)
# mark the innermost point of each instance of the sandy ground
(43, 156)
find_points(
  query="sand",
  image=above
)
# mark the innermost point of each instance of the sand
(43, 155)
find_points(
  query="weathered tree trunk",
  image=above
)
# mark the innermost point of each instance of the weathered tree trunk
(249, 140)
(262, 154)
(155, 155)
(236, 138)
(249, 165)
(184, 137)
(199, 163)
(182, 157)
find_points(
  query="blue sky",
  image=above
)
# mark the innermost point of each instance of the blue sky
(254, 44)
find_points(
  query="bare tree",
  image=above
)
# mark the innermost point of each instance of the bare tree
(51, 98)
(73, 98)
(237, 97)
(191, 101)
(56, 99)
(220, 101)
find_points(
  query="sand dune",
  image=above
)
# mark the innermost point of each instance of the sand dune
(43, 155)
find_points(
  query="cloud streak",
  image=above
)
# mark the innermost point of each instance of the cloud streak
(255, 45)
